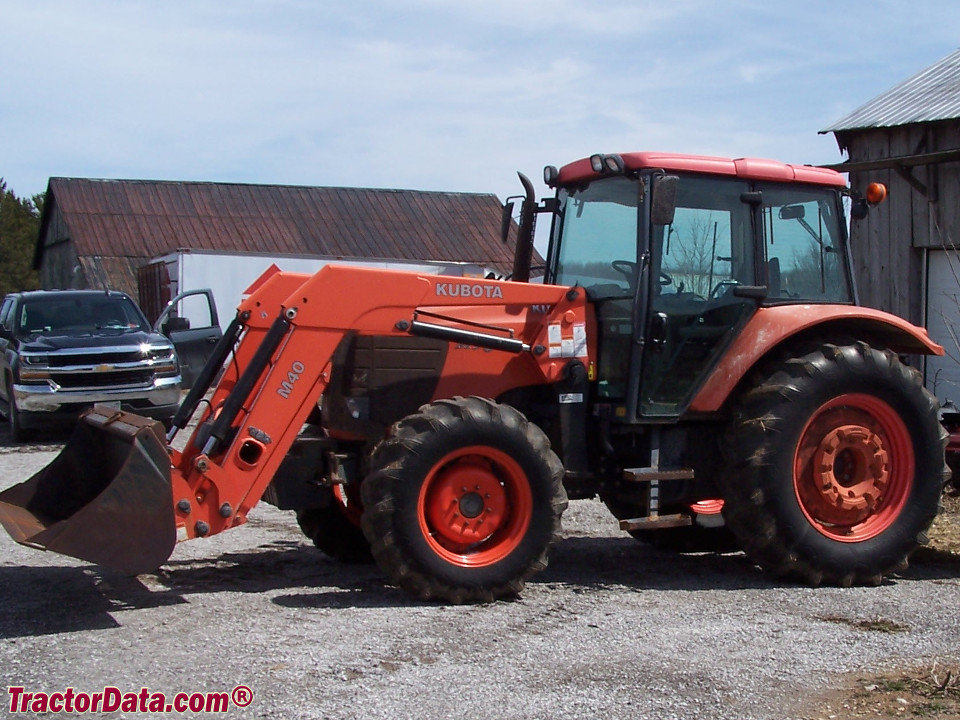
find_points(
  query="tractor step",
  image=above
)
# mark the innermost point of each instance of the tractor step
(646, 474)
(656, 522)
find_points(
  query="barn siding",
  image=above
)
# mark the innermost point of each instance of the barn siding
(888, 245)
(61, 268)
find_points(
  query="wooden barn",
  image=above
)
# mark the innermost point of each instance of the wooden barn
(905, 252)
(99, 233)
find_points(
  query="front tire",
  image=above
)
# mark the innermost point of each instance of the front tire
(463, 501)
(835, 466)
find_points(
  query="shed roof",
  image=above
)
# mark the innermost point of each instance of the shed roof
(144, 219)
(930, 95)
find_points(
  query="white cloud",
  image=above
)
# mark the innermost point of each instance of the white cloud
(431, 94)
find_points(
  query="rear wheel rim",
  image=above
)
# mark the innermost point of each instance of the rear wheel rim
(475, 506)
(853, 469)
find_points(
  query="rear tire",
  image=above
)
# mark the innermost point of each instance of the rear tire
(463, 501)
(835, 466)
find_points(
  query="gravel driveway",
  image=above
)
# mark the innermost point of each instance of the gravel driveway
(612, 629)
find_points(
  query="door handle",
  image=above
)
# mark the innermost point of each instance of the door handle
(659, 324)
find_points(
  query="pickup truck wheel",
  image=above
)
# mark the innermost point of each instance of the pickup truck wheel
(835, 466)
(463, 501)
(335, 529)
(17, 433)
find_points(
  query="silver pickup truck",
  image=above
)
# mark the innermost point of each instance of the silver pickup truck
(63, 350)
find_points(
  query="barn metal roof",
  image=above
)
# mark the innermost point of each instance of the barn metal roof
(930, 95)
(144, 219)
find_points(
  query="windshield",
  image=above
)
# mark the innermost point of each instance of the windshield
(597, 237)
(78, 314)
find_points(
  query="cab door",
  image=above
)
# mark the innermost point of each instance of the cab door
(597, 246)
(703, 265)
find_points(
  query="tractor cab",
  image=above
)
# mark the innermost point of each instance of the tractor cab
(677, 253)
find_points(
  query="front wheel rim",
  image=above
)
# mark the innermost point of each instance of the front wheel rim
(854, 468)
(475, 506)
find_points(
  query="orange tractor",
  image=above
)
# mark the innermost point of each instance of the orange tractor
(694, 356)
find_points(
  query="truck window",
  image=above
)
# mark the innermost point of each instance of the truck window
(196, 309)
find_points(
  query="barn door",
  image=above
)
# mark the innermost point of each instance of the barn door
(943, 323)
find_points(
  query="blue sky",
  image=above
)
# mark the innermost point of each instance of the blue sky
(453, 95)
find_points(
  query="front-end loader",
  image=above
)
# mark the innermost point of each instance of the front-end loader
(694, 356)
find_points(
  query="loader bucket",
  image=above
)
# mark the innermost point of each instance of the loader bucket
(106, 498)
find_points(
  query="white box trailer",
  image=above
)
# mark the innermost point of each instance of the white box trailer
(229, 274)
(216, 283)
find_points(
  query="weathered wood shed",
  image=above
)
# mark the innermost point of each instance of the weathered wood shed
(905, 251)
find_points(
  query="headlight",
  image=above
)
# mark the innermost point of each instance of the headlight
(163, 358)
(167, 355)
(35, 359)
(158, 352)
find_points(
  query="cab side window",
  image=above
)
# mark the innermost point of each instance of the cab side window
(803, 242)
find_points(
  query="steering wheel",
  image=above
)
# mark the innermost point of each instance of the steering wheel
(722, 287)
(629, 268)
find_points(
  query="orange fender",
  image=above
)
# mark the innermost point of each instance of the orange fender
(771, 326)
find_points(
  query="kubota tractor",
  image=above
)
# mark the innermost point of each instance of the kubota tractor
(695, 348)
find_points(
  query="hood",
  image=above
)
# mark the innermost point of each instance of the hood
(99, 338)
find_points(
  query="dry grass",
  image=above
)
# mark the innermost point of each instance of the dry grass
(931, 691)
(944, 535)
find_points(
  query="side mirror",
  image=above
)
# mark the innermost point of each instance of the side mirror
(792, 212)
(663, 199)
(176, 324)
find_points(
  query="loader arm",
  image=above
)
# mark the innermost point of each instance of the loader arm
(107, 497)
(502, 335)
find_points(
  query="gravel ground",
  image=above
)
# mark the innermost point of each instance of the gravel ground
(612, 629)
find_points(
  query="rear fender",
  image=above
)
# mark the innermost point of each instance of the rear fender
(770, 327)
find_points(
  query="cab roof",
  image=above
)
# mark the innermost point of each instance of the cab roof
(746, 168)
